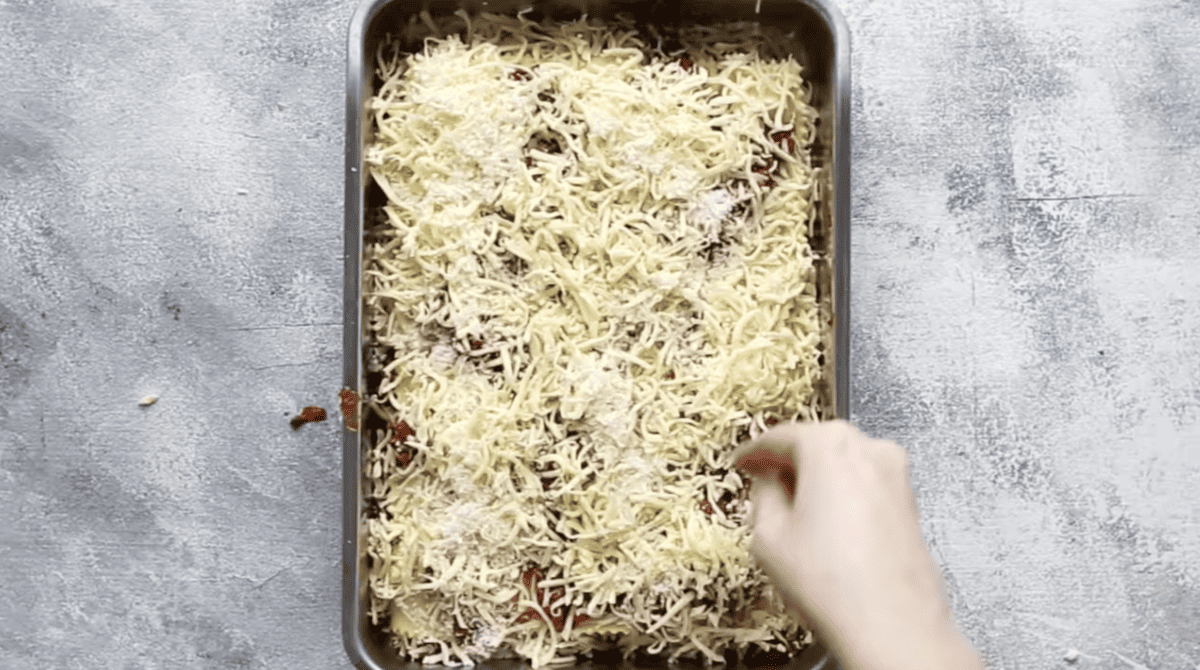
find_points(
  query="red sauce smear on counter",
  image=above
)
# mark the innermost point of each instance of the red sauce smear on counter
(309, 414)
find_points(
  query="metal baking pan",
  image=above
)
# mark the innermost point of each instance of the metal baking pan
(819, 41)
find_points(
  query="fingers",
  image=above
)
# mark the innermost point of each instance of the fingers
(892, 464)
(770, 451)
(763, 461)
(771, 522)
(891, 454)
(791, 444)
(771, 510)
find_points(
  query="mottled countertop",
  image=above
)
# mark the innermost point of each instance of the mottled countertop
(1026, 308)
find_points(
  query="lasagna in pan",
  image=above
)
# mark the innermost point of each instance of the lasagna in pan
(591, 279)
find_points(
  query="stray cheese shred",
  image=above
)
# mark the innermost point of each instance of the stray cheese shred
(592, 277)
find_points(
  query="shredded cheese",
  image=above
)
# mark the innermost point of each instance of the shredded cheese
(593, 277)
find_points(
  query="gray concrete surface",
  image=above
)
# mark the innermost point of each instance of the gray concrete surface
(1026, 307)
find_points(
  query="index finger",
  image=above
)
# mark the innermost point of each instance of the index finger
(772, 456)
(786, 445)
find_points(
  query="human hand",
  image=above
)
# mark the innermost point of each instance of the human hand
(837, 530)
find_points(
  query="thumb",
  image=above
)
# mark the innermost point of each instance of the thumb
(771, 509)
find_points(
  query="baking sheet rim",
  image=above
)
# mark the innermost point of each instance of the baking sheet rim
(353, 612)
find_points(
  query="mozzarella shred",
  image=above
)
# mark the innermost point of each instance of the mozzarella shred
(592, 278)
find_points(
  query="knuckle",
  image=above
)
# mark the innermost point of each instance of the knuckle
(839, 430)
(892, 454)
(839, 426)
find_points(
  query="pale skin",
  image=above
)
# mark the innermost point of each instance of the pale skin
(836, 528)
